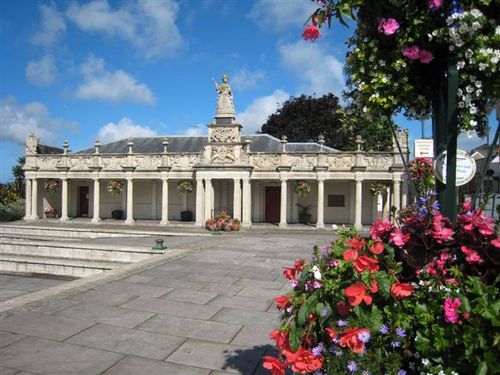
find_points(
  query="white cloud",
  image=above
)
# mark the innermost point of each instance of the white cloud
(41, 72)
(125, 128)
(319, 72)
(148, 25)
(280, 14)
(18, 120)
(196, 130)
(256, 114)
(51, 28)
(117, 86)
(244, 79)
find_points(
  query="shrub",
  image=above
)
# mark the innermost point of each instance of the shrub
(12, 211)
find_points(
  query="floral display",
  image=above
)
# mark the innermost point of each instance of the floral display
(115, 187)
(51, 186)
(400, 50)
(301, 188)
(416, 297)
(422, 173)
(185, 186)
(377, 188)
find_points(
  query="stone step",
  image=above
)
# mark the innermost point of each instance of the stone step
(68, 232)
(53, 266)
(74, 250)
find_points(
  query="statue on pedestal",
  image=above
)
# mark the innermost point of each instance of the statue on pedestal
(225, 104)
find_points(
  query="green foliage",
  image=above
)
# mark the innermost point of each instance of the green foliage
(12, 211)
(8, 193)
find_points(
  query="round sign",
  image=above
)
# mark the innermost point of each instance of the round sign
(466, 167)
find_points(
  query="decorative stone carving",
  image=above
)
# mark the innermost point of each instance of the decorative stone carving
(377, 161)
(31, 144)
(340, 162)
(266, 161)
(80, 163)
(222, 154)
(148, 162)
(48, 162)
(113, 163)
(183, 161)
(302, 161)
(224, 134)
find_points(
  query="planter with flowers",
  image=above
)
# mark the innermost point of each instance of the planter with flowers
(51, 186)
(115, 187)
(185, 187)
(301, 188)
(50, 212)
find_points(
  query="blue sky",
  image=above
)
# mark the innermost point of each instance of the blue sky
(107, 70)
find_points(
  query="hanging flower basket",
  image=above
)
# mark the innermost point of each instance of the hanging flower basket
(51, 186)
(185, 186)
(301, 188)
(115, 187)
(378, 188)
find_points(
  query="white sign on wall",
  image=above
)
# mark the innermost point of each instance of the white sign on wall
(466, 167)
(424, 148)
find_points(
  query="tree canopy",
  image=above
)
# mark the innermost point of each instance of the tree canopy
(304, 118)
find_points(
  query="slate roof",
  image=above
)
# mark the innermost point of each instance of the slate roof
(178, 144)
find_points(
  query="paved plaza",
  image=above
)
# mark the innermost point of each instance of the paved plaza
(207, 310)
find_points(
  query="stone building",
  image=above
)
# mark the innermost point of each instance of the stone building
(252, 177)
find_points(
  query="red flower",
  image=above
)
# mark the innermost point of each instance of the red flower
(350, 339)
(299, 265)
(281, 339)
(331, 333)
(342, 308)
(398, 238)
(379, 229)
(401, 290)
(283, 302)
(357, 293)
(496, 242)
(289, 273)
(350, 254)
(356, 243)
(472, 256)
(374, 287)
(364, 263)
(274, 365)
(311, 33)
(377, 248)
(303, 361)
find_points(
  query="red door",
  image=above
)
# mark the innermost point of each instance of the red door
(83, 199)
(273, 199)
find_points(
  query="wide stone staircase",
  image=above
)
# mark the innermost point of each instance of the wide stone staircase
(74, 252)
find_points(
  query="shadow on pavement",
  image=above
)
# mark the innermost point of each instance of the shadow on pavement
(249, 361)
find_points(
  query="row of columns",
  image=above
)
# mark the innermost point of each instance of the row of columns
(242, 197)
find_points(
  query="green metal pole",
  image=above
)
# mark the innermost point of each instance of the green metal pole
(439, 128)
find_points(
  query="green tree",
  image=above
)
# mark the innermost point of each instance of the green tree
(304, 118)
(18, 173)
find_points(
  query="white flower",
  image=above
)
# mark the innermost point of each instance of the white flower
(460, 64)
(478, 84)
(425, 362)
(335, 226)
(461, 104)
(473, 110)
(317, 273)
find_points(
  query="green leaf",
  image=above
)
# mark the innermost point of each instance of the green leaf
(482, 369)
(303, 314)
(296, 338)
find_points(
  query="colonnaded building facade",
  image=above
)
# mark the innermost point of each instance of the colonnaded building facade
(252, 177)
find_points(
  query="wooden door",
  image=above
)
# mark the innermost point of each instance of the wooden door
(83, 201)
(273, 201)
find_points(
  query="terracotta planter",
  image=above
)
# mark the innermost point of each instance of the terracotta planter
(236, 226)
(211, 226)
(227, 226)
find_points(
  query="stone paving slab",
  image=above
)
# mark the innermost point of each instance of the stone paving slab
(247, 318)
(135, 365)
(103, 298)
(253, 336)
(42, 325)
(128, 341)
(193, 296)
(135, 289)
(238, 302)
(192, 328)
(7, 338)
(48, 357)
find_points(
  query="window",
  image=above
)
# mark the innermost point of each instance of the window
(336, 200)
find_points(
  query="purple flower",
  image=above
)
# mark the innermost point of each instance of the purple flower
(324, 312)
(338, 353)
(341, 323)
(317, 284)
(352, 366)
(400, 332)
(325, 249)
(364, 336)
(395, 344)
(401, 372)
(317, 350)
(384, 329)
(294, 282)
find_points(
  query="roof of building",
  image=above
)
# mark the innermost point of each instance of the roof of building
(188, 144)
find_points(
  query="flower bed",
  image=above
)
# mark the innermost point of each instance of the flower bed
(418, 297)
(115, 187)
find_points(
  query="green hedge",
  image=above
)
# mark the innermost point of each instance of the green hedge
(12, 211)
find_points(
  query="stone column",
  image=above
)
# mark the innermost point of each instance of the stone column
(27, 213)
(283, 203)
(208, 198)
(64, 198)
(34, 199)
(358, 204)
(130, 201)
(97, 201)
(199, 202)
(404, 194)
(247, 203)
(237, 199)
(164, 202)
(321, 204)
(396, 196)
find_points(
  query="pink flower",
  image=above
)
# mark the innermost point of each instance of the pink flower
(425, 56)
(434, 4)
(440, 232)
(496, 242)
(311, 32)
(398, 238)
(412, 53)
(379, 229)
(450, 309)
(472, 256)
(387, 26)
